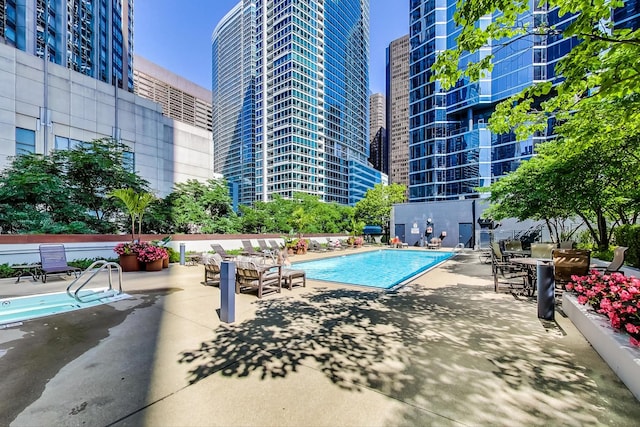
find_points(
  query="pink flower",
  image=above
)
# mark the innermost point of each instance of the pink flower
(582, 299)
(634, 342)
(631, 328)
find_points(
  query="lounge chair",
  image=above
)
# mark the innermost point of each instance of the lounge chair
(250, 275)
(212, 265)
(220, 251)
(266, 249)
(315, 246)
(616, 264)
(53, 259)
(249, 250)
(275, 246)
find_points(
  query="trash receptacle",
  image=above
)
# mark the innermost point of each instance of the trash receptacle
(546, 290)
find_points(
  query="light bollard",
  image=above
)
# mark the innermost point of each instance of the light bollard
(228, 291)
(546, 290)
(182, 254)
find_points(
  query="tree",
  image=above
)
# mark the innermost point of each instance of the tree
(93, 170)
(603, 64)
(375, 207)
(199, 207)
(595, 181)
(135, 204)
(35, 197)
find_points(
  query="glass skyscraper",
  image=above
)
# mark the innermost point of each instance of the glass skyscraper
(92, 37)
(290, 98)
(451, 152)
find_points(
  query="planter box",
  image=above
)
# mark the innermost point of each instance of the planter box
(613, 346)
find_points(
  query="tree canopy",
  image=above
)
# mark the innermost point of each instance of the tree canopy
(375, 207)
(602, 64)
(65, 192)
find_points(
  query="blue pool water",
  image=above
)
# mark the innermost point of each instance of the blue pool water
(17, 309)
(380, 269)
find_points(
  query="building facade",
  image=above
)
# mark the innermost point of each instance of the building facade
(379, 146)
(94, 38)
(181, 99)
(290, 105)
(452, 153)
(398, 110)
(162, 150)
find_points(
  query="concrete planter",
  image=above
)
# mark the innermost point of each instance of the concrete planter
(613, 346)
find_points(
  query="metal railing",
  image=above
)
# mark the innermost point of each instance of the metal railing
(91, 272)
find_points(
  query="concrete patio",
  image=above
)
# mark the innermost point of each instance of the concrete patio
(444, 350)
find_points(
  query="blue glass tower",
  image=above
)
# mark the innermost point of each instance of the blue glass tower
(300, 108)
(92, 37)
(451, 152)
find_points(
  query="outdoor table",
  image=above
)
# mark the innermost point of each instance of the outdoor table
(32, 270)
(531, 265)
(522, 253)
(194, 259)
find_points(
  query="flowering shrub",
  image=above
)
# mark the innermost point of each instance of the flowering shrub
(301, 244)
(129, 248)
(149, 253)
(614, 295)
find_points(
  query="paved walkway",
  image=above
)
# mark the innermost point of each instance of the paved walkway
(444, 350)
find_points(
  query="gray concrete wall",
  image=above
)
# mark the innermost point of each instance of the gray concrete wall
(83, 108)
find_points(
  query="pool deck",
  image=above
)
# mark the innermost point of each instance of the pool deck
(443, 350)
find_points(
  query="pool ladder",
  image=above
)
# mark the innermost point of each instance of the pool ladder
(90, 273)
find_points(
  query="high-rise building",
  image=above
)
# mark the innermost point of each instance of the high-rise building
(180, 98)
(290, 105)
(398, 110)
(452, 153)
(378, 113)
(378, 147)
(94, 38)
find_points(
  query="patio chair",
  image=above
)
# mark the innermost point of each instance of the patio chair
(434, 243)
(542, 250)
(250, 275)
(505, 274)
(566, 263)
(616, 264)
(220, 251)
(212, 265)
(53, 259)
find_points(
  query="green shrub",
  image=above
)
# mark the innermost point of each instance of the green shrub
(174, 256)
(629, 236)
(6, 271)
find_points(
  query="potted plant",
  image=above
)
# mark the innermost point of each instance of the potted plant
(128, 253)
(151, 255)
(301, 246)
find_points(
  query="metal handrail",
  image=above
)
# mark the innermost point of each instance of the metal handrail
(90, 273)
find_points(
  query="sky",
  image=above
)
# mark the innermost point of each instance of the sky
(179, 38)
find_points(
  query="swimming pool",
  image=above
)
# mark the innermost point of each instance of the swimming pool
(380, 269)
(13, 310)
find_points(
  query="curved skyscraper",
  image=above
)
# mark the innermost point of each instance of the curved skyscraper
(290, 95)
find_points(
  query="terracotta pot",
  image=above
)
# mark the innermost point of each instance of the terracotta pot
(129, 263)
(290, 251)
(165, 262)
(154, 265)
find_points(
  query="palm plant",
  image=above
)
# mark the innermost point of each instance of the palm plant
(135, 204)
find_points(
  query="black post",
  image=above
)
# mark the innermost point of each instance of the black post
(546, 290)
